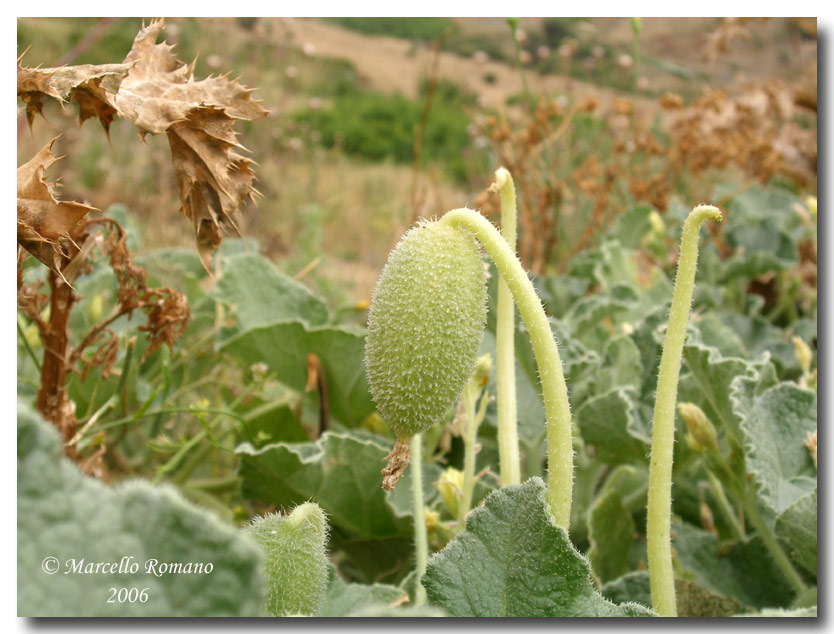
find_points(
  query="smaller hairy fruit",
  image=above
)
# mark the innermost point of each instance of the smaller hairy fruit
(425, 326)
(295, 559)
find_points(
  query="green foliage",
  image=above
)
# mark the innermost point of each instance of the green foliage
(611, 532)
(295, 560)
(411, 28)
(512, 560)
(378, 127)
(798, 526)
(77, 520)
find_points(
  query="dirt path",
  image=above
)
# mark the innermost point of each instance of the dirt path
(395, 65)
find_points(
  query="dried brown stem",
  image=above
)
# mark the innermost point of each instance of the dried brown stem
(397, 462)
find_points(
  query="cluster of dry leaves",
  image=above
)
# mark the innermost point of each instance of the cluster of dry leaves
(753, 131)
(159, 95)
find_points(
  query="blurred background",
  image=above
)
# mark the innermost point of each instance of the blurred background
(376, 121)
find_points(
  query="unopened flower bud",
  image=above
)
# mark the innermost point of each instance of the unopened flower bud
(803, 354)
(450, 487)
(702, 435)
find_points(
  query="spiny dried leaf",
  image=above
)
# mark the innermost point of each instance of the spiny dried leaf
(42, 220)
(160, 95)
(92, 86)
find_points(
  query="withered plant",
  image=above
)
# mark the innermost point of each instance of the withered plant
(159, 95)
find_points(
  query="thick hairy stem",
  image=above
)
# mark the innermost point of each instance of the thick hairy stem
(508, 454)
(554, 389)
(658, 536)
(421, 541)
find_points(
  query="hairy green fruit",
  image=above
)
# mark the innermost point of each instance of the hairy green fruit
(425, 327)
(295, 563)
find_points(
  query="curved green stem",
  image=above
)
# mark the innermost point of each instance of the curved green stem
(661, 574)
(554, 389)
(421, 542)
(508, 454)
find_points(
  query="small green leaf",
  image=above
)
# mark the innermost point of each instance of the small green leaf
(609, 423)
(611, 532)
(64, 515)
(692, 599)
(798, 526)
(512, 560)
(341, 472)
(743, 570)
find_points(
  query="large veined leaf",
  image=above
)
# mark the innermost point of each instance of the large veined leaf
(259, 294)
(66, 519)
(512, 560)
(775, 423)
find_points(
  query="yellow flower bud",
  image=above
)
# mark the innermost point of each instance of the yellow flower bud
(702, 435)
(803, 354)
(450, 487)
(432, 520)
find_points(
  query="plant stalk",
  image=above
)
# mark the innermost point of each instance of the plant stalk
(554, 389)
(421, 542)
(508, 452)
(470, 441)
(658, 537)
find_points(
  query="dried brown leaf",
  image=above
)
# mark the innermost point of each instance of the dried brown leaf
(42, 220)
(160, 95)
(92, 86)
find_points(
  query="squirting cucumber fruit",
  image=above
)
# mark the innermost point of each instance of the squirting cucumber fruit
(425, 327)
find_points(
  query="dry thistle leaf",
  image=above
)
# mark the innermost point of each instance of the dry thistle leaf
(159, 95)
(42, 220)
(93, 87)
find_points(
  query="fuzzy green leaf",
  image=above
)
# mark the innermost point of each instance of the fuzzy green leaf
(65, 515)
(343, 599)
(609, 423)
(775, 423)
(512, 560)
